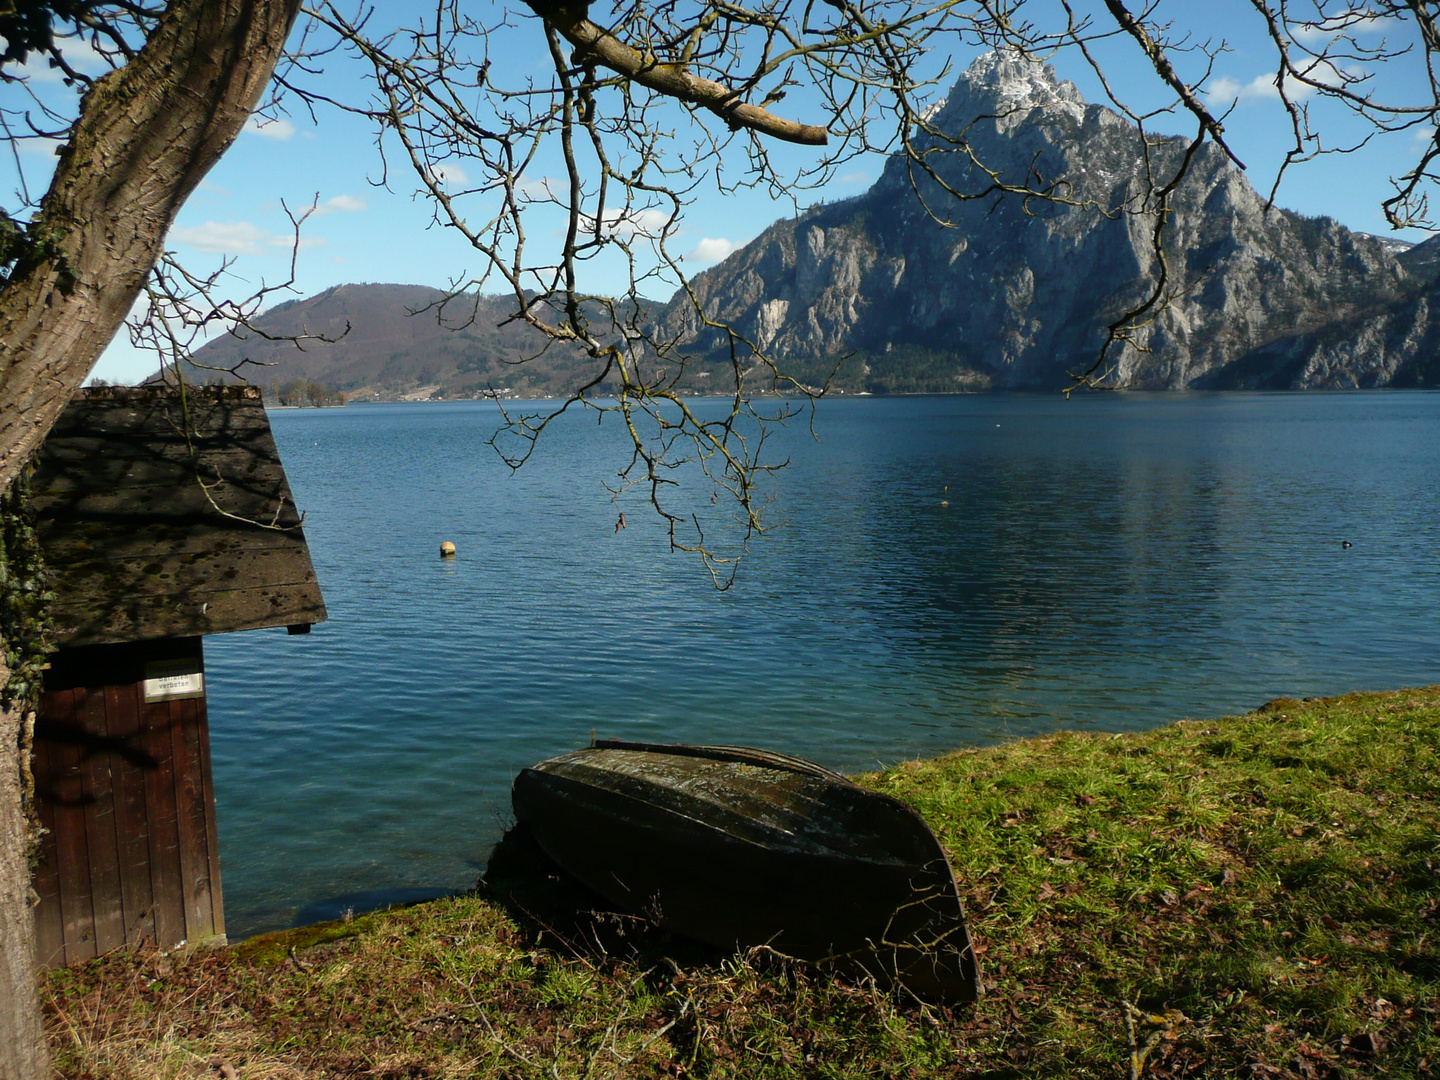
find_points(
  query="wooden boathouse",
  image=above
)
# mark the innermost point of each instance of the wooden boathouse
(160, 521)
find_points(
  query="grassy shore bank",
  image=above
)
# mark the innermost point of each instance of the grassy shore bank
(1257, 896)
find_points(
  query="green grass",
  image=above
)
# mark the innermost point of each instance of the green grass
(1256, 896)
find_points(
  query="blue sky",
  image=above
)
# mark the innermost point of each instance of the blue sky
(364, 231)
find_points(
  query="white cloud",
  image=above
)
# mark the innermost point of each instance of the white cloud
(38, 69)
(40, 147)
(542, 189)
(449, 175)
(1222, 89)
(287, 241)
(78, 54)
(236, 238)
(230, 238)
(1312, 33)
(341, 204)
(861, 177)
(1225, 91)
(710, 250)
(649, 223)
(279, 128)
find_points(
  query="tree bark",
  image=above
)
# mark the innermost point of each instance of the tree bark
(22, 1047)
(670, 79)
(146, 136)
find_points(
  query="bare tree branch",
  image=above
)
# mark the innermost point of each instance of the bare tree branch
(672, 80)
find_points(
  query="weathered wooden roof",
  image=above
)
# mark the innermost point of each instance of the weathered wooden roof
(134, 545)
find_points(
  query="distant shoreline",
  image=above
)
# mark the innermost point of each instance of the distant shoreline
(836, 394)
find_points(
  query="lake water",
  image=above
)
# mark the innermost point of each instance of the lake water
(1114, 562)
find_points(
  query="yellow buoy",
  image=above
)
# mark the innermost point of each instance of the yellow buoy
(447, 550)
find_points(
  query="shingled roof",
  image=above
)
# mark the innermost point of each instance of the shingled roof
(135, 547)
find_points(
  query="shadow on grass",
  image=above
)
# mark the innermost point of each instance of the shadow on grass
(554, 910)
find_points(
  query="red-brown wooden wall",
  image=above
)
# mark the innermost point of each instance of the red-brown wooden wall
(131, 856)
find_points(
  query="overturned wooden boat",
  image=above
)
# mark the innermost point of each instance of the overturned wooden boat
(740, 847)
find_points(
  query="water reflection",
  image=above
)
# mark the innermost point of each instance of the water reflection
(1116, 562)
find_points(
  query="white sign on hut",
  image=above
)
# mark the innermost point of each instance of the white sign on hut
(144, 562)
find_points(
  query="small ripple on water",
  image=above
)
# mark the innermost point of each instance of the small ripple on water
(1111, 563)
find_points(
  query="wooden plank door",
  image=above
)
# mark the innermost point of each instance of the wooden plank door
(131, 855)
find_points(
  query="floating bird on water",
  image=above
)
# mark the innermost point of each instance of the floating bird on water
(1346, 544)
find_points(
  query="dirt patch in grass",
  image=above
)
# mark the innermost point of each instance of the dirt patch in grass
(1256, 896)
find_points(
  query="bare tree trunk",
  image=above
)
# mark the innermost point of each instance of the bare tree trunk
(146, 136)
(22, 1053)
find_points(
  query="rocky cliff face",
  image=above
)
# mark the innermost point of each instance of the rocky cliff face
(1396, 343)
(1000, 294)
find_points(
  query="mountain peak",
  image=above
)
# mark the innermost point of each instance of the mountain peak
(986, 290)
(1007, 84)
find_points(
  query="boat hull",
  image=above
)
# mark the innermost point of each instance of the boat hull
(740, 848)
